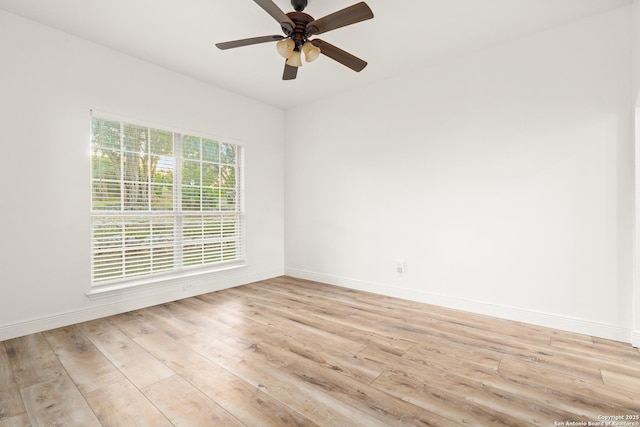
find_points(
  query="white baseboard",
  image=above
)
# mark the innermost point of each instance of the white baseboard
(150, 297)
(133, 300)
(554, 321)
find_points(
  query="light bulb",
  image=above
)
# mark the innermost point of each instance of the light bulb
(311, 51)
(285, 47)
(295, 60)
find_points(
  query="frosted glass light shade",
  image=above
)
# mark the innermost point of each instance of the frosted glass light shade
(285, 48)
(311, 52)
(295, 59)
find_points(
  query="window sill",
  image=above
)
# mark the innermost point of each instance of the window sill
(168, 282)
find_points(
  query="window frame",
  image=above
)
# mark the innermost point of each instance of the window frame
(177, 212)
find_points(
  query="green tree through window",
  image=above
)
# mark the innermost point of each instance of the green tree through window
(161, 201)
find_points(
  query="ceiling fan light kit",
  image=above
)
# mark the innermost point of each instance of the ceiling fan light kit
(298, 27)
(295, 60)
(311, 52)
(285, 48)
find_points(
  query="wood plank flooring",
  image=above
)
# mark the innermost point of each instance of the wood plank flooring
(290, 352)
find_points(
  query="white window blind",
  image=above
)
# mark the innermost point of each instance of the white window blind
(161, 201)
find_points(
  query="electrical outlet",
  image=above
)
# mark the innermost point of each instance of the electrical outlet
(401, 267)
(188, 287)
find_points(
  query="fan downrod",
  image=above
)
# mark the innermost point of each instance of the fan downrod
(299, 5)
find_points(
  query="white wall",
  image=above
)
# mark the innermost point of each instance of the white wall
(48, 83)
(636, 96)
(636, 46)
(504, 179)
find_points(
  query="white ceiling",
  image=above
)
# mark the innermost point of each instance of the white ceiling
(180, 35)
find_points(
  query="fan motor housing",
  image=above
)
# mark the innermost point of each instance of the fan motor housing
(299, 33)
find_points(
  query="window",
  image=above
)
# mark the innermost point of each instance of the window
(161, 201)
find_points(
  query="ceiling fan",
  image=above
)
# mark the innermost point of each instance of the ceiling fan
(298, 27)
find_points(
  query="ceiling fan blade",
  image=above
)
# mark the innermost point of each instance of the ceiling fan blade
(357, 13)
(272, 9)
(339, 55)
(290, 72)
(247, 42)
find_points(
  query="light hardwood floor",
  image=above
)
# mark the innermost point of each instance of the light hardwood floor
(289, 352)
